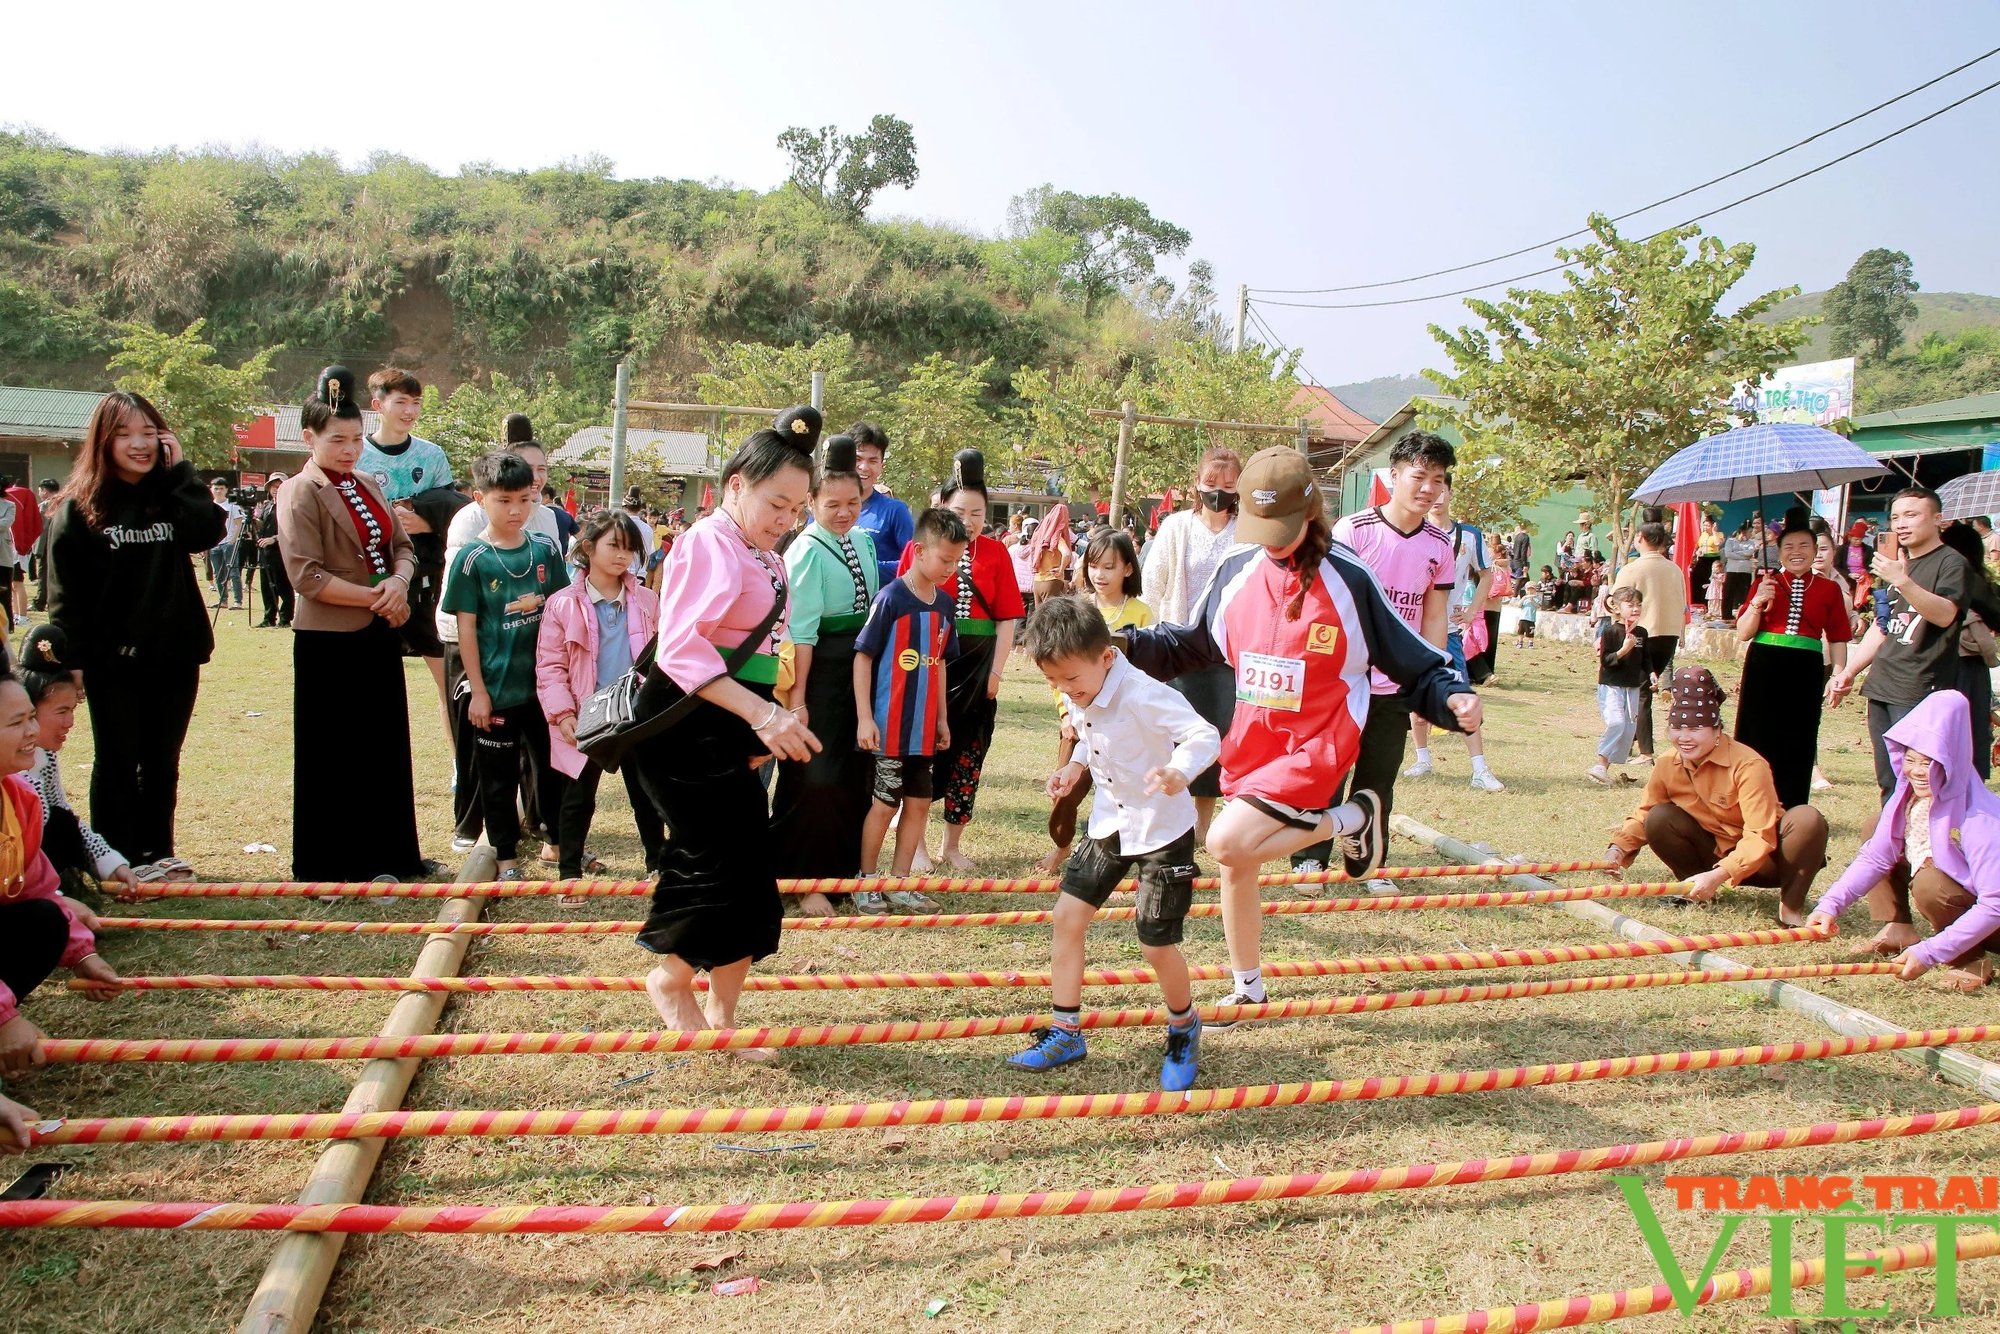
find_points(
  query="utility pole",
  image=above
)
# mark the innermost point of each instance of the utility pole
(1242, 315)
(1128, 421)
(623, 391)
(819, 391)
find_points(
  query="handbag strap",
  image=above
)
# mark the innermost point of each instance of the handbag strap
(732, 660)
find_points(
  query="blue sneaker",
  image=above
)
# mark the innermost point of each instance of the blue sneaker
(1056, 1046)
(1178, 1069)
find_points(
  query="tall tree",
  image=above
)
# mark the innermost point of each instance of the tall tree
(758, 375)
(202, 399)
(1872, 304)
(1602, 379)
(844, 172)
(936, 411)
(1119, 242)
(468, 423)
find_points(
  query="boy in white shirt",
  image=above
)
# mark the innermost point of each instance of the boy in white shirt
(1141, 743)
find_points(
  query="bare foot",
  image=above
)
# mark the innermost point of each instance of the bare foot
(718, 1019)
(956, 859)
(675, 1004)
(920, 860)
(1786, 917)
(1894, 938)
(1054, 862)
(815, 904)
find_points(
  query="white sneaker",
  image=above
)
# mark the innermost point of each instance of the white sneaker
(1233, 998)
(1484, 781)
(1598, 774)
(1421, 769)
(1309, 867)
(1383, 887)
(1819, 782)
(464, 844)
(912, 901)
(870, 902)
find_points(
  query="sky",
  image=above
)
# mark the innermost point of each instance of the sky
(1303, 145)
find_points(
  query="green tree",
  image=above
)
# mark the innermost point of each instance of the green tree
(937, 410)
(1602, 379)
(844, 172)
(758, 375)
(1119, 242)
(468, 424)
(202, 399)
(1872, 304)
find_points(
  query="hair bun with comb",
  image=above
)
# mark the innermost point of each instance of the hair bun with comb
(336, 386)
(840, 453)
(968, 471)
(517, 430)
(800, 427)
(46, 649)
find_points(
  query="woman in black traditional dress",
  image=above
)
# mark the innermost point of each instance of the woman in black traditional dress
(716, 905)
(350, 565)
(1794, 620)
(817, 813)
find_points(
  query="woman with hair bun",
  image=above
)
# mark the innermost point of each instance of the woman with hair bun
(351, 566)
(989, 607)
(723, 590)
(73, 847)
(123, 591)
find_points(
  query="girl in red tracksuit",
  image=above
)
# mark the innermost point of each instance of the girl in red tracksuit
(1299, 621)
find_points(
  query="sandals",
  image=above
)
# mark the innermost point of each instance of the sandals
(1963, 980)
(148, 874)
(175, 869)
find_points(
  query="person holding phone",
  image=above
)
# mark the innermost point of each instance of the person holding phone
(122, 589)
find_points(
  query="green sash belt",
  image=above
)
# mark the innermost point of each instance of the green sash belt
(843, 624)
(976, 628)
(761, 669)
(1777, 640)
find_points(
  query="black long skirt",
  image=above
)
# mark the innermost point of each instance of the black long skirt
(1976, 684)
(817, 813)
(716, 901)
(354, 806)
(1777, 715)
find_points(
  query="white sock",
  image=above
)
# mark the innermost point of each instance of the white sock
(1347, 818)
(1250, 982)
(1423, 754)
(1479, 764)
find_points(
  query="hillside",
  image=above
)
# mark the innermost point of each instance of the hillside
(1945, 313)
(1377, 398)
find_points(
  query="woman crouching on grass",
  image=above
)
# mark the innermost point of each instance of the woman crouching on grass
(40, 930)
(716, 907)
(1300, 623)
(73, 847)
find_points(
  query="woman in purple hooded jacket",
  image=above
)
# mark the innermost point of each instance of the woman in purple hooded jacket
(1937, 845)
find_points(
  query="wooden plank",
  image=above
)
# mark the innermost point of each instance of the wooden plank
(647, 405)
(1114, 414)
(1950, 1064)
(288, 1296)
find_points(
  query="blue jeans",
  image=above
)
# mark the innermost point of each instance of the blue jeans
(1619, 706)
(223, 570)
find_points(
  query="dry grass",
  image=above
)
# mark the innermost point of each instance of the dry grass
(1288, 1266)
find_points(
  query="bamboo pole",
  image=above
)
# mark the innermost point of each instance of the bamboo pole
(1961, 1068)
(1150, 419)
(289, 1293)
(725, 409)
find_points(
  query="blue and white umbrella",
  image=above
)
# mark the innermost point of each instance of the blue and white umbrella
(1750, 462)
(1972, 496)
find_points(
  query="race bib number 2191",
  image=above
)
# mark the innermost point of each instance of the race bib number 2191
(1270, 682)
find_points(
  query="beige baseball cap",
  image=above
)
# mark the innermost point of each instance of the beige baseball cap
(1276, 491)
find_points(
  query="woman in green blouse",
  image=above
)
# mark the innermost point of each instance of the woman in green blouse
(820, 804)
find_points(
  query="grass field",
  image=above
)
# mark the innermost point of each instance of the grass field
(1309, 1265)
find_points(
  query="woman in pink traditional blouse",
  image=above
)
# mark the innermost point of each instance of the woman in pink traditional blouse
(715, 908)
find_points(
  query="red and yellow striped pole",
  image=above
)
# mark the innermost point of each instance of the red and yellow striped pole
(1599, 1308)
(847, 885)
(206, 1050)
(1094, 977)
(764, 1216)
(1511, 898)
(495, 1123)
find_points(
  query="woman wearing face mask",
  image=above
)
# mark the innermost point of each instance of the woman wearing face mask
(351, 566)
(723, 588)
(988, 610)
(819, 807)
(1180, 561)
(123, 591)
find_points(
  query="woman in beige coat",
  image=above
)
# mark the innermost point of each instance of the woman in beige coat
(353, 802)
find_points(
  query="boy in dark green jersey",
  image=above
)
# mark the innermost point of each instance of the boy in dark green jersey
(496, 588)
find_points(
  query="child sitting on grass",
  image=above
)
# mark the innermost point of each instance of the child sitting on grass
(1141, 743)
(1621, 674)
(899, 694)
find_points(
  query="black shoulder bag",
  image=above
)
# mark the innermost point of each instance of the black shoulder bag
(645, 702)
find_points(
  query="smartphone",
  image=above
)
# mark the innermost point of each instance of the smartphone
(1889, 545)
(34, 1183)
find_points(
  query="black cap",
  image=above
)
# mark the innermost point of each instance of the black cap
(800, 425)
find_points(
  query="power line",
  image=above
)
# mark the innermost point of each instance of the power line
(1643, 208)
(1724, 208)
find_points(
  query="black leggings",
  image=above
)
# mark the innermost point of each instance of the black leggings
(139, 714)
(579, 808)
(33, 935)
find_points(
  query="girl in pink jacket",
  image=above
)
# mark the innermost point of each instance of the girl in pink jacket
(592, 632)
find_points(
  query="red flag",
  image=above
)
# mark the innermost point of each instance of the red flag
(707, 496)
(1687, 530)
(1378, 487)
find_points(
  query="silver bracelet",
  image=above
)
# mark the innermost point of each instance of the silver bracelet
(769, 718)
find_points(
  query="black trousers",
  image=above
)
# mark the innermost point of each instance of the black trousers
(275, 585)
(33, 935)
(579, 809)
(1380, 759)
(519, 734)
(139, 716)
(1660, 651)
(466, 821)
